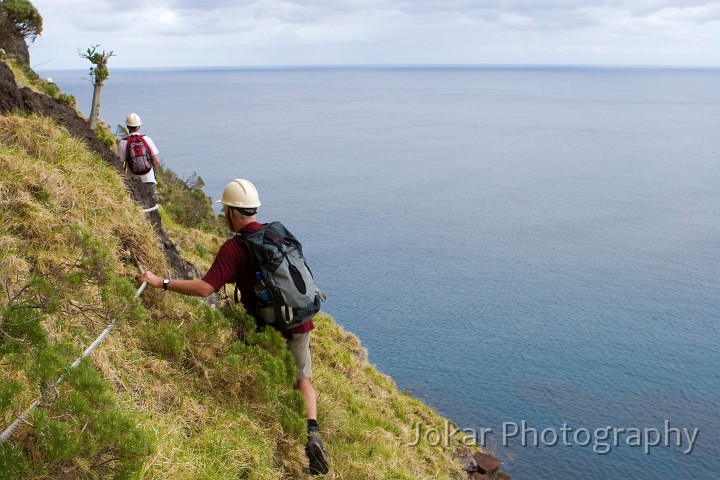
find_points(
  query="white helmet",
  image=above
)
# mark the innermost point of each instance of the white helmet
(240, 193)
(133, 120)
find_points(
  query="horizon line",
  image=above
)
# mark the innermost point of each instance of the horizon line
(403, 66)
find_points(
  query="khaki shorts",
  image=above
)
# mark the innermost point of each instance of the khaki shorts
(299, 346)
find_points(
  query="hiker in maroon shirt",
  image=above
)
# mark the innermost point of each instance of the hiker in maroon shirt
(233, 264)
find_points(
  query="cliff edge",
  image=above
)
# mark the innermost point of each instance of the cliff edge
(179, 389)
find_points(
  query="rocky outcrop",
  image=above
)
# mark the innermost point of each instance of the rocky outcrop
(17, 99)
(483, 466)
(15, 45)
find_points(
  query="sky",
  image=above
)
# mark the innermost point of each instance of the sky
(206, 33)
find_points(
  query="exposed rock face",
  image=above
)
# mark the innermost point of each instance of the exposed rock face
(15, 99)
(10, 96)
(15, 44)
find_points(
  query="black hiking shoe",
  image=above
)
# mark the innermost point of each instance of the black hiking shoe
(316, 454)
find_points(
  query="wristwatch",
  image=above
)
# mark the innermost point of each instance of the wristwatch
(166, 282)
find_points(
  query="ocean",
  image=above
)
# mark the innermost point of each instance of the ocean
(526, 249)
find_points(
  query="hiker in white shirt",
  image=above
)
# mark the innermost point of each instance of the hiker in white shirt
(133, 125)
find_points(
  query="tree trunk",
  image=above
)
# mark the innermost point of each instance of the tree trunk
(95, 111)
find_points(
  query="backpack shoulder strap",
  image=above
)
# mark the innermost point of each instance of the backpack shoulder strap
(242, 241)
(127, 151)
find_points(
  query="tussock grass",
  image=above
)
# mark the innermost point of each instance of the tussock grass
(178, 390)
(64, 278)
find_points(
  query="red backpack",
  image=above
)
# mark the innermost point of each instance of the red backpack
(137, 155)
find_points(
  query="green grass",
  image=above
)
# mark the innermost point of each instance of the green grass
(178, 390)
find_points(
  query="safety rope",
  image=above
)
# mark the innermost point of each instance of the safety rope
(39, 401)
(151, 209)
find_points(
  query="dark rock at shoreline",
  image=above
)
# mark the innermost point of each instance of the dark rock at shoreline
(486, 463)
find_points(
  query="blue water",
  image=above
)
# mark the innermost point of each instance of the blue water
(538, 244)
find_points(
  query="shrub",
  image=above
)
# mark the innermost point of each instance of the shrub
(103, 132)
(186, 202)
(84, 435)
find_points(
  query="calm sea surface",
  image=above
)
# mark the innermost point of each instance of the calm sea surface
(510, 244)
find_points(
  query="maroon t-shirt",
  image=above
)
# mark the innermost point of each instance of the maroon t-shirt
(233, 265)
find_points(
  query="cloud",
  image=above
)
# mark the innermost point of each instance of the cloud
(189, 17)
(385, 31)
(222, 16)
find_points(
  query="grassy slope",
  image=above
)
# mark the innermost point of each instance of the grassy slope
(172, 393)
